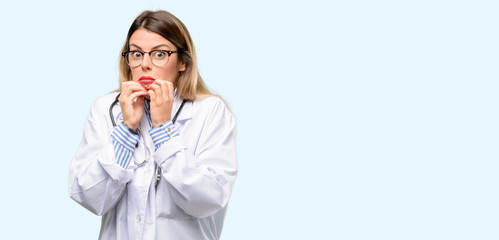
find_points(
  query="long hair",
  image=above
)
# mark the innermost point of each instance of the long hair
(190, 85)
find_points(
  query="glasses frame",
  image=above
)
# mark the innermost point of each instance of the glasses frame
(169, 52)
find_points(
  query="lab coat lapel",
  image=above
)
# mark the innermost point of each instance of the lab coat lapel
(186, 112)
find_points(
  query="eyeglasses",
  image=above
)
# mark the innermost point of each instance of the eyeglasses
(158, 57)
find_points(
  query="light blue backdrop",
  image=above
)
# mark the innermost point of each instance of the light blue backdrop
(356, 119)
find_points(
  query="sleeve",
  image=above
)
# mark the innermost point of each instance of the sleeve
(95, 180)
(124, 142)
(201, 179)
(163, 133)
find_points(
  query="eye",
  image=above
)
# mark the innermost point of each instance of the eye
(136, 55)
(159, 54)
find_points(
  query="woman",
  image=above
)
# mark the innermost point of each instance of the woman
(158, 159)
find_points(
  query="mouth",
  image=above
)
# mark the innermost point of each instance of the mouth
(146, 81)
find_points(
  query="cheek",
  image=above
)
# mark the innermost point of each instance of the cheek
(169, 73)
(135, 74)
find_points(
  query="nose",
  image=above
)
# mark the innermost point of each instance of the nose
(146, 62)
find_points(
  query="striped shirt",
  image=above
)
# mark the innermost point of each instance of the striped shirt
(125, 141)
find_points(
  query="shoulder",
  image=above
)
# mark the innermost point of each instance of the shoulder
(209, 101)
(212, 108)
(106, 99)
(101, 105)
(210, 104)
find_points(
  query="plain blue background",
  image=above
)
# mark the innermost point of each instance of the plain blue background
(356, 119)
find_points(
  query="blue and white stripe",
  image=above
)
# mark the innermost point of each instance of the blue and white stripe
(163, 133)
(147, 109)
(124, 143)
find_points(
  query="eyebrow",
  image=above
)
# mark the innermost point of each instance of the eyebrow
(155, 47)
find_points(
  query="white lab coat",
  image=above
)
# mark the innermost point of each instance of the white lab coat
(198, 172)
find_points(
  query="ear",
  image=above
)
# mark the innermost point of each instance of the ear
(181, 66)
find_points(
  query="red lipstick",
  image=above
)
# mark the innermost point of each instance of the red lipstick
(146, 79)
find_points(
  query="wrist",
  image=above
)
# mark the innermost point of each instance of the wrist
(159, 123)
(132, 129)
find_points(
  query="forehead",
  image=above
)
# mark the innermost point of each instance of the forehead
(146, 39)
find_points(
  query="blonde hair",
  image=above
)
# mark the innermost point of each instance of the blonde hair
(190, 85)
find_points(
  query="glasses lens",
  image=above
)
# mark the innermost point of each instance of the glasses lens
(134, 58)
(159, 57)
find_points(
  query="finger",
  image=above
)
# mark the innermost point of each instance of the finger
(130, 83)
(168, 86)
(130, 99)
(170, 90)
(129, 87)
(138, 88)
(152, 96)
(167, 90)
(138, 95)
(154, 87)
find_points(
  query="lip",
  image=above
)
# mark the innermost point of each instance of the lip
(146, 79)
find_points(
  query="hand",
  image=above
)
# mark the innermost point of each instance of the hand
(161, 96)
(132, 109)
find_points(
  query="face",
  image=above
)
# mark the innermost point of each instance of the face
(146, 41)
